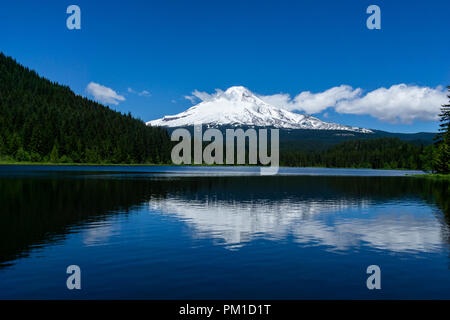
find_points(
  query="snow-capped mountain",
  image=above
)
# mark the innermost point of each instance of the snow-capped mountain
(238, 106)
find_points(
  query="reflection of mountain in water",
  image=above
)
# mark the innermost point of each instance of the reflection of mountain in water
(238, 222)
(310, 222)
(341, 213)
(329, 211)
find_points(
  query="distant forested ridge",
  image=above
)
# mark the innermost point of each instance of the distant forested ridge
(380, 153)
(43, 121)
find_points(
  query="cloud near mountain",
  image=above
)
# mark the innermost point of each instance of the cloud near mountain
(104, 94)
(401, 103)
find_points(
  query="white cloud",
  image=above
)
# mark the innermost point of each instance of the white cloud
(312, 102)
(143, 93)
(400, 103)
(104, 94)
(192, 99)
(202, 96)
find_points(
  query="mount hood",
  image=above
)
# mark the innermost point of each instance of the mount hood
(238, 106)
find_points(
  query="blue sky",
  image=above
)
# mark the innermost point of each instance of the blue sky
(171, 48)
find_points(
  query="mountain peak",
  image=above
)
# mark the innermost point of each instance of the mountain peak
(238, 90)
(238, 106)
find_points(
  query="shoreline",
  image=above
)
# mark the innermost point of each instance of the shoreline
(56, 164)
(433, 176)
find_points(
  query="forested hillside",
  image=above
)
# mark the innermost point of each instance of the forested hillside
(381, 153)
(43, 121)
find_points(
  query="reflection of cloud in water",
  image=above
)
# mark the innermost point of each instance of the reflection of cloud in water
(310, 222)
(399, 233)
(100, 234)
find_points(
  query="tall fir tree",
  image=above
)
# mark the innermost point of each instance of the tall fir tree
(442, 158)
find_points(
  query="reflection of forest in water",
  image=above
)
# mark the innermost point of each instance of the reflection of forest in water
(39, 210)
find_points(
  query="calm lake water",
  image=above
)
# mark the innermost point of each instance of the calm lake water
(221, 233)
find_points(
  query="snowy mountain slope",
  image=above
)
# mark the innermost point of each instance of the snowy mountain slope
(238, 106)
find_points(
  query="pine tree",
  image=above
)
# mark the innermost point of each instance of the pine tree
(54, 155)
(442, 158)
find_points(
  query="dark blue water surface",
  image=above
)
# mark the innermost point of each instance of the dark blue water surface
(221, 233)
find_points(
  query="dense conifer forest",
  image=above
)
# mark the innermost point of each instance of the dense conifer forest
(41, 121)
(381, 153)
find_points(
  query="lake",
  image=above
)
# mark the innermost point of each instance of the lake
(161, 232)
